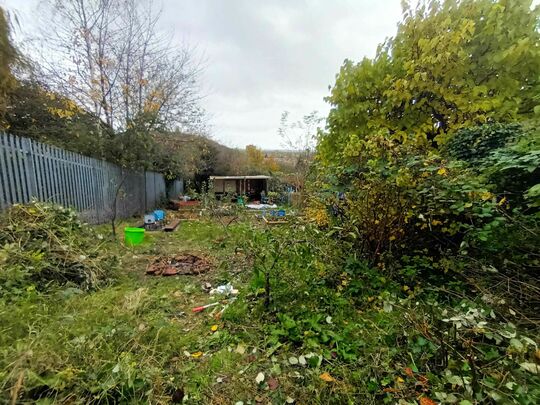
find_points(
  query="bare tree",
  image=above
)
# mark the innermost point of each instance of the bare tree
(110, 57)
(300, 137)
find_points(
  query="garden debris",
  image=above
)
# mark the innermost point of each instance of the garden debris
(225, 302)
(226, 289)
(43, 243)
(326, 377)
(273, 384)
(427, 401)
(203, 307)
(260, 206)
(185, 264)
(260, 378)
(240, 349)
(171, 226)
(206, 287)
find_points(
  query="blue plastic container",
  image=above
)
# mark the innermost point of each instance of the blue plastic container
(159, 215)
(281, 213)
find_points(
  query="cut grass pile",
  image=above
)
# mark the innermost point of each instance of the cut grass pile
(43, 244)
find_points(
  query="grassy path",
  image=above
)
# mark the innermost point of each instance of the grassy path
(138, 339)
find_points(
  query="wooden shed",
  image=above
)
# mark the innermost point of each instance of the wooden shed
(252, 186)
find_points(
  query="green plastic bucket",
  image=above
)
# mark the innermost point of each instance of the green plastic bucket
(134, 236)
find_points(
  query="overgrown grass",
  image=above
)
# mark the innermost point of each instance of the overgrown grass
(325, 338)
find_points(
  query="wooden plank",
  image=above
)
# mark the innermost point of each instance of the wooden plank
(274, 222)
(171, 226)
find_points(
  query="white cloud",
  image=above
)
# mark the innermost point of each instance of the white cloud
(264, 57)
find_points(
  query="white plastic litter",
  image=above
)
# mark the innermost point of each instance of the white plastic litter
(260, 206)
(226, 289)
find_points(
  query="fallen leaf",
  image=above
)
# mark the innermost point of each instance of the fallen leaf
(409, 371)
(400, 380)
(214, 328)
(240, 349)
(272, 383)
(197, 354)
(326, 377)
(260, 378)
(293, 360)
(530, 367)
(427, 401)
(289, 400)
(423, 380)
(441, 172)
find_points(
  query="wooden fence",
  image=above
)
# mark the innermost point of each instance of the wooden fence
(30, 169)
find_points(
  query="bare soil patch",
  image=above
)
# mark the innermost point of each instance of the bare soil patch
(183, 264)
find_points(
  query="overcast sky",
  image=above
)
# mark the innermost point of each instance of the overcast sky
(264, 57)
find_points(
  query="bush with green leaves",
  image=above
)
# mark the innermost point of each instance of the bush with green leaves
(382, 340)
(474, 143)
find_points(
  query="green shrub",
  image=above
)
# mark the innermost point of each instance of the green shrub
(478, 142)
